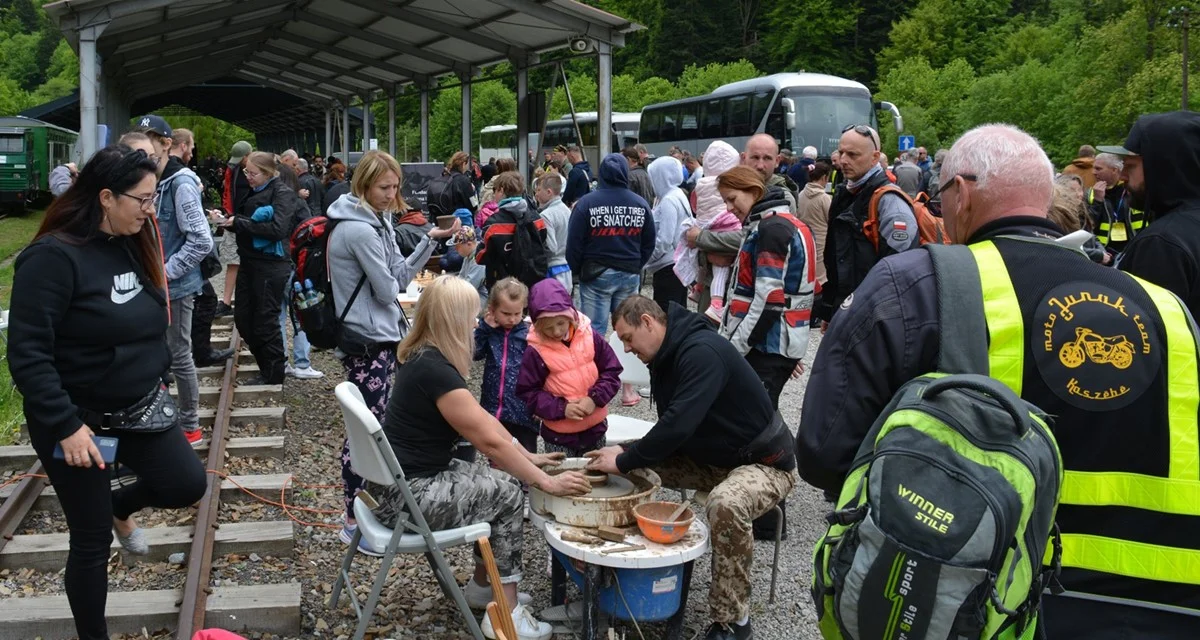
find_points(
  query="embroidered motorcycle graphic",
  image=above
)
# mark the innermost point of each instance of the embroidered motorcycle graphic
(1115, 350)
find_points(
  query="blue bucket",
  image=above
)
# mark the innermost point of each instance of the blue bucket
(652, 595)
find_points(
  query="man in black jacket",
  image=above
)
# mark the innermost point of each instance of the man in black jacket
(716, 432)
(1162, 175)
(316, 191)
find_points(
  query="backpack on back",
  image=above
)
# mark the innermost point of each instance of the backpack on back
(930, 227)
(310, 253)
(943, 521)
(523, 254)
(439, 196)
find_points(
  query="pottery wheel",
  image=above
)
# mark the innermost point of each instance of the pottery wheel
(616, 487)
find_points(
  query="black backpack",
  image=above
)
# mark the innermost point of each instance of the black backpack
(439, 196)
(525, 257)
(310, 253)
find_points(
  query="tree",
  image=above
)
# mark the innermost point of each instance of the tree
(698, 80)
(13, 98)
(797, 27)
(491, 103)
(942, 30)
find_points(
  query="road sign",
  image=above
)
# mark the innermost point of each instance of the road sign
(908, 143)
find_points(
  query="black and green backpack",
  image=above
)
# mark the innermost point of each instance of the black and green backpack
(945, 517)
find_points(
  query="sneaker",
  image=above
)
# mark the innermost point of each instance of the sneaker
(478, 595)
(306, 373)
(714, 311)
(214, 358)
(644, 392)
(195, 438)
(723, 631)
(257, 380)
(289, 370)
(224, 310)
(347, 535)
(528, 627)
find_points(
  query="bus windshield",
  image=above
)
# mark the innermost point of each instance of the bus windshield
(820, 118)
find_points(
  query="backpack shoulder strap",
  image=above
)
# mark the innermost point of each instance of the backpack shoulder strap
(871, 225)
(960, 296)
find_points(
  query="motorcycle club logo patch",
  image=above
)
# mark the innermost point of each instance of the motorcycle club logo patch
(1097, 349)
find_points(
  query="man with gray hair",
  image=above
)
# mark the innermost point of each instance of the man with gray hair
(547, 190)
(311, 184)
(1115, 220)
(1055, 321)
(908, 175)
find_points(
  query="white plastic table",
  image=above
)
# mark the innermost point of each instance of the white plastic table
(692, 546)
(623, 429)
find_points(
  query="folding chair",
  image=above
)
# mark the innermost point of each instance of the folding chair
(373, 459)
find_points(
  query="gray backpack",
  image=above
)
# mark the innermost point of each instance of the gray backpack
(944, 519)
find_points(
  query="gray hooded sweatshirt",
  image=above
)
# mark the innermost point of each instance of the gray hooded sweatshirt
(672, 208)
(365, 243)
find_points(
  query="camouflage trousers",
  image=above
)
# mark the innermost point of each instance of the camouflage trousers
(461, 495)
(736, 497)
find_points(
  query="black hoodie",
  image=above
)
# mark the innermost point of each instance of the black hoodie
(1167, 252)
(711, 405)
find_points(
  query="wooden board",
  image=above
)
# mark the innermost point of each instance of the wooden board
(272, 417)
(266, 485)
(48, 552)
(273, 608)
(243, 393)
(19, 457)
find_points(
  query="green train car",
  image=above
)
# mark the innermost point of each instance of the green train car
(29, 149)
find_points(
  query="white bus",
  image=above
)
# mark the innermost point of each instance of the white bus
(500, 141)
(798, 109)
(562, 131)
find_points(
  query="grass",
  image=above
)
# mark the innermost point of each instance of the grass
(15, 233)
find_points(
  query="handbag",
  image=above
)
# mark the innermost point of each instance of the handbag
(154, 412)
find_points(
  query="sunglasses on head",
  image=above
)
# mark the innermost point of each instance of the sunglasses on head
(865, 131)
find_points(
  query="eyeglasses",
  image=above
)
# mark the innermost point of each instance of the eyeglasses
(146, 203)
(969, 177)
(864, 131)
(252, 174)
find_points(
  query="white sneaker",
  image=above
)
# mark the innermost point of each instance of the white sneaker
(528, 627)
(288, 370)
(306, 373)
(478, 596)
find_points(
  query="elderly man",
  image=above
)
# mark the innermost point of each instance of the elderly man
(716, 432)
(1115, 221)
(1127, 555)
(849, 252)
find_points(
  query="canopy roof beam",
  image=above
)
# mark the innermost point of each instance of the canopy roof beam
(362, 32)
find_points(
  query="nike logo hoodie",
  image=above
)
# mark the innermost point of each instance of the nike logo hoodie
(85, 330)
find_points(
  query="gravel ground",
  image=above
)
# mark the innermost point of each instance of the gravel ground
(412, 605)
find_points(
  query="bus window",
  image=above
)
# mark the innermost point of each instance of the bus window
(12, 144)
(651, 123)
(712, 119)
(670, 125)
(762, 104)
(738, 123)
(689, 125)
(587, 133)
(821, 118)
(776, 127)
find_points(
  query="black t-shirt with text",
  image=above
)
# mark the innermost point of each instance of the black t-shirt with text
(421, 438)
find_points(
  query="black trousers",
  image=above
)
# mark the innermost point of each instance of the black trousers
(204, 312)
(259, 294)
(668, 288)
(170, 476)
(774, 371)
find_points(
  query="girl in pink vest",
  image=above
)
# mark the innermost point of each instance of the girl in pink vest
(568, 374)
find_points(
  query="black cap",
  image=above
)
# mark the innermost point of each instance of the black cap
(1133, 142)
(153, 124)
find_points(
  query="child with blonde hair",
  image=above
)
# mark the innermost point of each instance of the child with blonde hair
(568, 375)
(500, 341)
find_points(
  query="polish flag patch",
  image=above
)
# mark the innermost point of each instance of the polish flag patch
(900, 226)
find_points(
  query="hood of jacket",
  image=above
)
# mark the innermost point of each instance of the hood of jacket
(681, 325)
(666, 173)
(812, 190)
(549, 297)
(772, 199)
(614, 172)
(719, 158)
(174, 166)
(350, 207)
(1170, 148)
(521, 208)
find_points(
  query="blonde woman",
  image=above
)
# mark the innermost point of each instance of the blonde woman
(263, 225)
(368, 271)
(429, 410)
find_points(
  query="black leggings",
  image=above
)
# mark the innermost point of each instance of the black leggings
(170, 476)
(259, 294)
(668, 288)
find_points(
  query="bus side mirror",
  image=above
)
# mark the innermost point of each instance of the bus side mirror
(897, 119)
(789, 113)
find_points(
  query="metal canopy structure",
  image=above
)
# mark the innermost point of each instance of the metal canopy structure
(323, 51)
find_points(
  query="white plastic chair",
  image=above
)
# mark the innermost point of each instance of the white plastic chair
(372, 458)
(623, 429)
(635, 371)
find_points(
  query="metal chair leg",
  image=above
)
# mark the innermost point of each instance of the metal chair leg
(778, 539)
(442, 569)
(347, 561)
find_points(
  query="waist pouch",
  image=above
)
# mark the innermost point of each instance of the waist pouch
(773, 447)
(156, 411)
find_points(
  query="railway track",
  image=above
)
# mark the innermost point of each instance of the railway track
(195, 603)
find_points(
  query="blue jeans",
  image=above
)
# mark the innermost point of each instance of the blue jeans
(602, 296)
(300, 344)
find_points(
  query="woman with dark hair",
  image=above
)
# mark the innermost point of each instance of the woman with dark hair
(263, 225)
(88, 351)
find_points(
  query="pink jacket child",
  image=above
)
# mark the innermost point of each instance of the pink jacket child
(566, 368)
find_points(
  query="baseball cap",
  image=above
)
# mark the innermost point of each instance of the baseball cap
(240, 150)
(154, 124)
(1133, 142)
(462, 236)
(562, 148)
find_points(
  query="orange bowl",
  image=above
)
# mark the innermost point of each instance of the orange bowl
(652, 520)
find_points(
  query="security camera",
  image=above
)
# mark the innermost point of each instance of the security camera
(580, 45)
